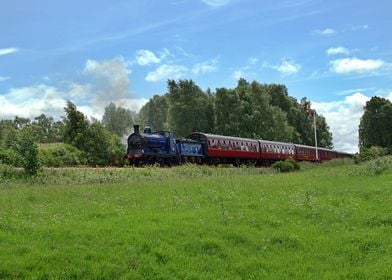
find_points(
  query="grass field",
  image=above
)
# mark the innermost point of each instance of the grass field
(324, 222)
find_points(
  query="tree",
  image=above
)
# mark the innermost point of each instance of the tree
(75, 123)
(190, 109)
(42, 126)
(155, 113)
(27, 148)
(227, 104)
(99, 146)
(21, 123)
(375, 128)
(117, 119)
(8, 133)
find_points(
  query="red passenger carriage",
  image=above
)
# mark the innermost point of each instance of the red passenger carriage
(226, 149)
(272, 151)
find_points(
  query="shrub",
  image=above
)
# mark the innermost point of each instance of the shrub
(372, 153)
(10, 157)
(374, 167)
(289, 165)
(294, 163)
(8, 172)
(60, 155)
(283, 166)
(27, 148)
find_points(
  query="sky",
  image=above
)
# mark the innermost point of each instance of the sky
(338, 54)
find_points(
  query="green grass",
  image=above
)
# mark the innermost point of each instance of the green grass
(197, 223)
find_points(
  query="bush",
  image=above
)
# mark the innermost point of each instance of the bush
(283, 166)
(372, 153)
(27, 148)
(374, 167)
(289, 165)
(8, 172)
(10, 157)
(60, 155)
(294, 163)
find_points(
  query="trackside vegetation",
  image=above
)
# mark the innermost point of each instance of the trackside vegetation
(328, 221)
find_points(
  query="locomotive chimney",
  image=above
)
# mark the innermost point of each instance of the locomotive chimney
(136, 128)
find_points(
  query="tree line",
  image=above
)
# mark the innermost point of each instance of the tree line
(74, 140)
(253, 110)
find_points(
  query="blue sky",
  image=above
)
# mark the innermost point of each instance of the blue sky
(335, 53)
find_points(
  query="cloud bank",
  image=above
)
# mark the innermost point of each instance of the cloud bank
(355, 65)
(107, 81)
(343, 117)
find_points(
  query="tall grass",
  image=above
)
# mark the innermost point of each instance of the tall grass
(195, 222)
(374, 167)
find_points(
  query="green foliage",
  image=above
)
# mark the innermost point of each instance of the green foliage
(10, 156)
(8, 173)
(375, 166)
(154, 113)
(75, 124)
(117, 119)
(46, 130)
(190, 109)
(288, 165)
(27, 148)
(98, 145)
(294, 163)
(372, 153)
(8, 133)
(283, 166)
(60, 155)
(251, 110)
(375, 128)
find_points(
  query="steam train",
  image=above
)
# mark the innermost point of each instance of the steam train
(161, 147)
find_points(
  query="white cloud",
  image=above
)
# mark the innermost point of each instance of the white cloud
(287, 67)
(238, 74)
(166, 71)
(253, 60)
(343, 118)
(326, 31)
(216, 3)
(337, 50)
(356, 65)
(146, 57)
(8, 51)
(2, 78)
(30, 102)
(205, 67)
(108, 81)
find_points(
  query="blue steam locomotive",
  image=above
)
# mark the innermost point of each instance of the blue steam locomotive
(161, 147)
